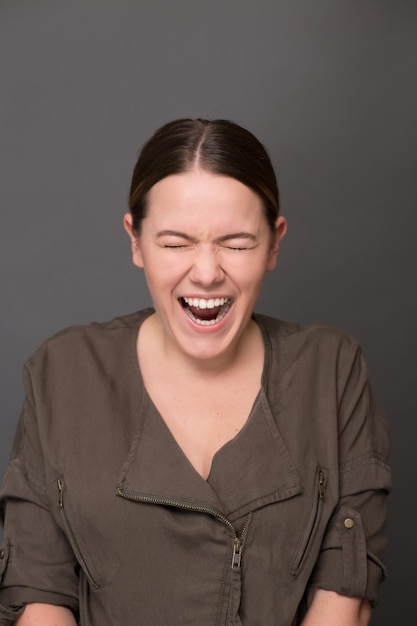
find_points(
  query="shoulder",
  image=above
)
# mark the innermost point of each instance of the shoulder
(316, 354)
(311, 337)
(77, 342)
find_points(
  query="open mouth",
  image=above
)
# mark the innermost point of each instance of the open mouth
(206, 312)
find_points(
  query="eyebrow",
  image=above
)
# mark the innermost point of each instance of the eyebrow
(176, 233)
(242, 235)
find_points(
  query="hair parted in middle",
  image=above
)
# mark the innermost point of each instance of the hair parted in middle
(218, 146)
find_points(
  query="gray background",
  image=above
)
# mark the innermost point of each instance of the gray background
(329, 86)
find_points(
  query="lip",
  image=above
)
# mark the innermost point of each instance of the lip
(205, 325)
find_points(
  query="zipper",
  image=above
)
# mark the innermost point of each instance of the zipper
(198, 508)
(236, 563)
(60, 484)
(319, 496)
(238, 541)
(322, 485)
(79, 551)
(237, 553)
(238, 544)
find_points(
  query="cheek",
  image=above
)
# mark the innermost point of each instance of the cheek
(247, 268)
(164, 272)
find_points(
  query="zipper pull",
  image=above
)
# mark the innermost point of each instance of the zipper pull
(322, 485)
(60, 484)
(237, 553)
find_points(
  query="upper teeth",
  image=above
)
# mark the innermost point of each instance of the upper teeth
(201, 303)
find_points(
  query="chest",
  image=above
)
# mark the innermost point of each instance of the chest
(202, 418)
(203, 408)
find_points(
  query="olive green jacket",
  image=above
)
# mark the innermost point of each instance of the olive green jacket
(105, 515)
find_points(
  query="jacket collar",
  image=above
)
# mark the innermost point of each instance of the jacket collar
(250, 471)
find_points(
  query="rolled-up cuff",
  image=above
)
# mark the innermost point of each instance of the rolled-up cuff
(330, 574)
(8, 616)
(14, 599)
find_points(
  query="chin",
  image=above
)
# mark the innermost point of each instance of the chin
(206, 347)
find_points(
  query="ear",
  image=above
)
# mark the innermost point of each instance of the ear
(134, 240)
(277, 236)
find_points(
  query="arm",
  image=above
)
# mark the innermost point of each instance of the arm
(46, 615)
(331, 609)
(38, 564)
(353, 545)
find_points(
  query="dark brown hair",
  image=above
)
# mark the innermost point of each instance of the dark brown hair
(218, 146)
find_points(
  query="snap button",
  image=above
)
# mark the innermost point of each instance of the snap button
(348, 522)
(2, 554)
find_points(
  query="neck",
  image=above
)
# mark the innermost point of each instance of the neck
(239, 354)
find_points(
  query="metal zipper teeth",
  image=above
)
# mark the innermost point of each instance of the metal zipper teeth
(322, 485)
(138, 497)
(318, 505)
(60, 504)
(238, 544)
(245, 527)
(236, 559)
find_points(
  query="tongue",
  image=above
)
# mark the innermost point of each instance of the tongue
(205, 314)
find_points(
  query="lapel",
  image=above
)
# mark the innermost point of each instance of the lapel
(250, 471)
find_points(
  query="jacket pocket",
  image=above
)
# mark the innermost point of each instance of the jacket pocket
(76, 541)
(303, 550)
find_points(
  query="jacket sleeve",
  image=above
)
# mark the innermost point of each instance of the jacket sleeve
(350, 560)
(36, 561)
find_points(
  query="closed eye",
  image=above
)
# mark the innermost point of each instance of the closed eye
(174, 240)
(238, 242)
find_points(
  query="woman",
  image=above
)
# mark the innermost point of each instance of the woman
(197, 463)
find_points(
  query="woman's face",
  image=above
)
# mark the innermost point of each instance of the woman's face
(205, 246)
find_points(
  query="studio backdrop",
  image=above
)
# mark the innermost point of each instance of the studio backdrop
(329, 86)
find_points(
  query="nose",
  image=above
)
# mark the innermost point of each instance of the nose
(206, 269)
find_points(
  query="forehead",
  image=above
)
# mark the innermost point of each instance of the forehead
(199, 195)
